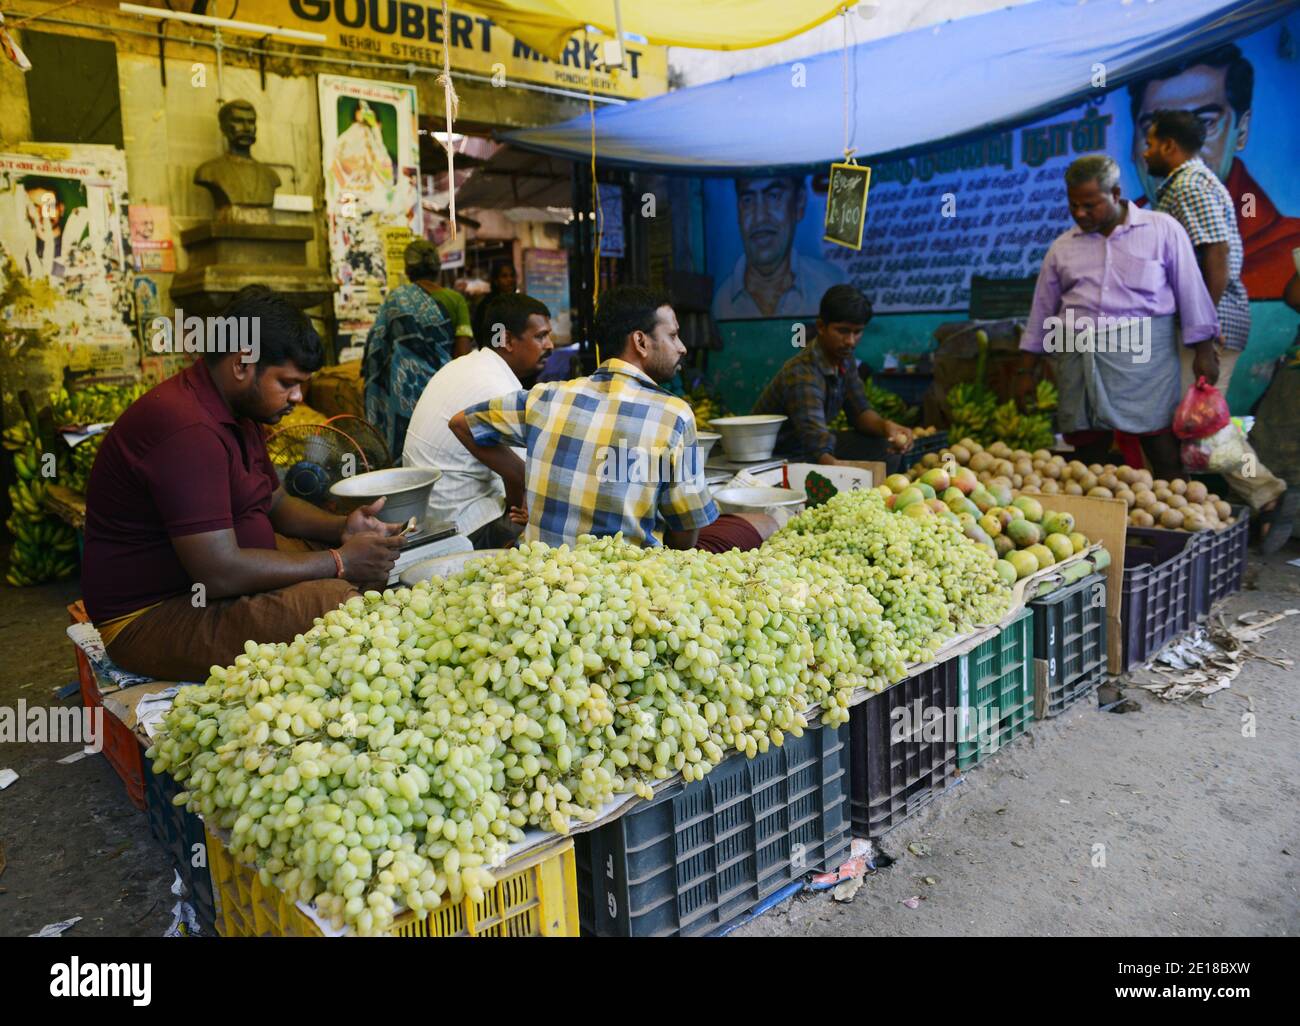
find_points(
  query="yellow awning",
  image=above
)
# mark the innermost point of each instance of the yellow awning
(546, 25)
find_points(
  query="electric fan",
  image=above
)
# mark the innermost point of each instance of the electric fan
(369, 442)
(310, 457)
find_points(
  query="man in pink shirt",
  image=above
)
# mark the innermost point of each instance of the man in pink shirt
(1116, 297)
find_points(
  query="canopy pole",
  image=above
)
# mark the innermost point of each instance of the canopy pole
(451, 103)
(597, 215)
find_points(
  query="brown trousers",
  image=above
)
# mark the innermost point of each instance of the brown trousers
(176, 641)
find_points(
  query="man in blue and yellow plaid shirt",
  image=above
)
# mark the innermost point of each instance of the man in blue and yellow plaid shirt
(614, 451)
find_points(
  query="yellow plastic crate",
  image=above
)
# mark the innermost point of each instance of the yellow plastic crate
(535, 895)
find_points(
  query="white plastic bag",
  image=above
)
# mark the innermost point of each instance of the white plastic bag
(1224, 450)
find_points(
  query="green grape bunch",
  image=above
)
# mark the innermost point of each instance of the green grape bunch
(385, 760)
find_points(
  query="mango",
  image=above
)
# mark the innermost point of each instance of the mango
(1043, 554)
(907, 497)
(1006, 572)
(1024, 533)
(897, 482)
(1058, 523)
(1030, 507)
(1060, 545)
(1078, 540)
(1024, 563)
(936, 478)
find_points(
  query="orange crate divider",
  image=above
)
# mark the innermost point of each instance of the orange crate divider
(535, 895)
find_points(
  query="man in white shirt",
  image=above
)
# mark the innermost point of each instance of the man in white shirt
(516, 343)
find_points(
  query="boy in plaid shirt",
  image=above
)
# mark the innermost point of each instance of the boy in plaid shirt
(1193, 195)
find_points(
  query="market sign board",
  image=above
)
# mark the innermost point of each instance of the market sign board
(407, 32)
(846, 204)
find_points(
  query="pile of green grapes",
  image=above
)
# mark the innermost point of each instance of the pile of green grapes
(386, 759)
(930, 581)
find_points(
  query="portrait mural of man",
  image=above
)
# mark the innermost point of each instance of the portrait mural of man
(773, 278)
(1219, 87)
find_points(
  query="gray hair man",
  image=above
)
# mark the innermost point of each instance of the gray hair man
(1104, 311)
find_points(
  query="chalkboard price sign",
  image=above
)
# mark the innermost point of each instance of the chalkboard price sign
(846, 204)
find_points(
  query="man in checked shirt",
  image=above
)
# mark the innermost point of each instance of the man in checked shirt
(813, 387)
(1194, 196)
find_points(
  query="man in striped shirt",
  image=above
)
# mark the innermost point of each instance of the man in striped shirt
(1193, 195)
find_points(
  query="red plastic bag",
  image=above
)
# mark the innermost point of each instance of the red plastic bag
(1202, 412)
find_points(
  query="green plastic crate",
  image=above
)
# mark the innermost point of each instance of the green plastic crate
(995, 691)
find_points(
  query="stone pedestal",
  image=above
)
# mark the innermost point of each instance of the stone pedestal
(224, 256)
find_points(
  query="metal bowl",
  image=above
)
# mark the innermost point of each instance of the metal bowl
(407, 490)
(441, 566)
(706, 440)
(759, 500)
(749, 439)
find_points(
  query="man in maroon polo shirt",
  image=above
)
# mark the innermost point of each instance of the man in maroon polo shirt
(192, 547)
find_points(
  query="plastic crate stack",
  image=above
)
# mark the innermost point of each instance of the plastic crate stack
(995, 691)
(1069, 643)
(704, 855)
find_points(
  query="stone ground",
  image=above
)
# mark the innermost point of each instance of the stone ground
(1199, 823)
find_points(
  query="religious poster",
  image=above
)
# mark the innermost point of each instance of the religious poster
(371, 160)
(65, 267)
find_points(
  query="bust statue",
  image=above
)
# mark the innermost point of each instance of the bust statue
(236, 180)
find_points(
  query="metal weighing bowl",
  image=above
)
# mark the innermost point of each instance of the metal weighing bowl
(706, 440)
(407, 489)
(759, 500)
(749, 439)
(441, 566)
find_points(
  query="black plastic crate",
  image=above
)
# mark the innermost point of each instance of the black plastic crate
(704, 854)
(936, 442)
(179, 831)
(1226, 556)
(1070, 640)
(1165, 574)
(900, 761)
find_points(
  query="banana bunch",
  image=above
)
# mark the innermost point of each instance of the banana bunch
(44, 550)
(80, 459)
(1046, 397)
(971, 409)
(94, 404)
(890, 405)
(705, 404)
(1021, 430)
(18, 436)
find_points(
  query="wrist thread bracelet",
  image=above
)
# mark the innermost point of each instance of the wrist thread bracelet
(338, 562)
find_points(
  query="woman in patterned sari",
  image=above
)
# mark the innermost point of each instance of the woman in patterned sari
(411, 339)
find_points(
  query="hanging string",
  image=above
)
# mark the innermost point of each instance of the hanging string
(452, 104)
(598, 215)
(844, 22)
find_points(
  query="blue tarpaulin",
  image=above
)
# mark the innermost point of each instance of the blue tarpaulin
(932, 85)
